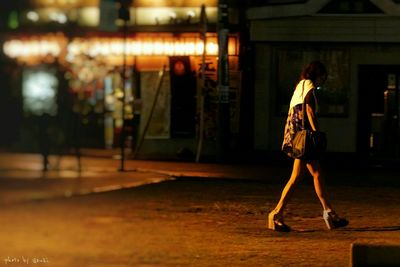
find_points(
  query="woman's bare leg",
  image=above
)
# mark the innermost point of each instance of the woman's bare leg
(319, 184)
(298, 166)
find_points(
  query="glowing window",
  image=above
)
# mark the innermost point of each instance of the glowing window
(39, 90)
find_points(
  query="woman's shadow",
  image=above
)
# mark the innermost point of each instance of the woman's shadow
(372, 229)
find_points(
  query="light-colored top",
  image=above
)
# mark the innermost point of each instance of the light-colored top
(299, 94)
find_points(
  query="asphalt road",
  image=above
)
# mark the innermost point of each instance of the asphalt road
(193, 219)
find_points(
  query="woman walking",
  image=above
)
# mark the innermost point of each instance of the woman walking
(312, 76)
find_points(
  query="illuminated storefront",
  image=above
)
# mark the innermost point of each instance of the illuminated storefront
(92, 64)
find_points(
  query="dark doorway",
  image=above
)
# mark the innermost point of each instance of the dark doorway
(11, 115)
(378, 110)
(183, 102)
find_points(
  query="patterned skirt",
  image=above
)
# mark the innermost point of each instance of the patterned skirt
(293, 125)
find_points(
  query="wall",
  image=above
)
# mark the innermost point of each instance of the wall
(269, 126)
(367, 39)
(323, 28)
(262, 109)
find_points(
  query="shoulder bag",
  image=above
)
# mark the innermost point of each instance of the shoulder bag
(308, 144)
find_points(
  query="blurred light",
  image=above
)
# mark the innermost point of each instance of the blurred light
(53, 16)
(17, 48)
(145, 15)
(89, 16)
(32, 16)
(191, 14)
(62, 18)
(58, 17)
(212, 48)
(39, 91)
(54, 2)
(56, 46)
(172, 15)
(114, 47)
(85, 16)
(13, 22)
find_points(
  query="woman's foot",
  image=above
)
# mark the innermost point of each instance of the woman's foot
(333, 221)
(275, 222)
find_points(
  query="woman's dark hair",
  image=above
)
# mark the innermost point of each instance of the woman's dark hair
(314, 70)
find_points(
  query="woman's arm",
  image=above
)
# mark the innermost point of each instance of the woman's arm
(311, 118)
(310, 110)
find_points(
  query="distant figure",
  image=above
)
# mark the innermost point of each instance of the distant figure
(313, 75)
(44, 139)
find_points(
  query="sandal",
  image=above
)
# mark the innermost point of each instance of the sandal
(333, 221)
(275, 222)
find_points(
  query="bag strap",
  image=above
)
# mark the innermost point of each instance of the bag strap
(303, 106)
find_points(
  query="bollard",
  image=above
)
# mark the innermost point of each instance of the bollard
(383, 255)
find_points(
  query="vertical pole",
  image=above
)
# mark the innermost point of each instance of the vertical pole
(203, 33)
(223, 116)
(136, 105)
(123, 13)
(396, 115)
(122, 139)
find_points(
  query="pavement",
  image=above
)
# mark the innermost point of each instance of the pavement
(23, 178)
(170, 213)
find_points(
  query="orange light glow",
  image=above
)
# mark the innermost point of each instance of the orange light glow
(56, 46)
(17, 48)
(64, 3)
(136, 47)
(32, 50)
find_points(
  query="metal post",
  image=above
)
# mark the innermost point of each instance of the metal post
(223, 119)
(203, 33)
(122, 139)
(123, 13)
(396, 115)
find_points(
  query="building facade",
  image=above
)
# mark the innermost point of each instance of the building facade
(101, 65)
(359, 43)
(170, 95)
